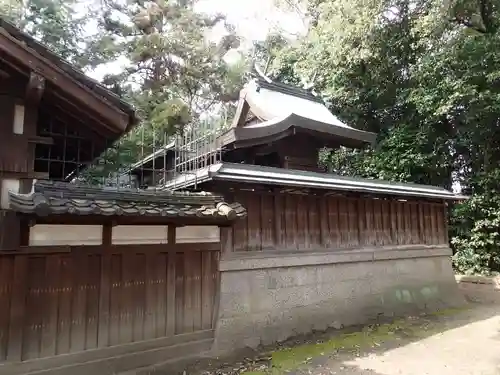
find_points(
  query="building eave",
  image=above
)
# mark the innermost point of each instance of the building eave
(241, 173)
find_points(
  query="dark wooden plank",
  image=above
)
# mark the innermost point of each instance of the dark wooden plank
(334, 222)
(6, 277)
(291, 222)
(170, 293)
(302, 222)
(240, 227)
(105, 275)
(127, 299)
(196, 266)
(179, 293)
(267, 222)
(154, 282)
(343, 222)
(378, 222)
(394, 222)
(279, 220)
(188, 294)
(361, 222)
(92, 314)
(49, 328)
(65, 296)
(116, 312)
(207, 290)
(215, 288)
(35, 309)
(314, 223)
(226, 240)
(138, 293)
(352, 215)
(79, 303)
(323, 222)
(407, 222)
(400, 223)
(434, 230)
(254, 222)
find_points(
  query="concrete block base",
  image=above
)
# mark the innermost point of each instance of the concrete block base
(269, 299)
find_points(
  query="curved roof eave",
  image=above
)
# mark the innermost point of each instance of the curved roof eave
(276, 126)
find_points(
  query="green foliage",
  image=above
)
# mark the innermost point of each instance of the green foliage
(423, 74)
(476, 223)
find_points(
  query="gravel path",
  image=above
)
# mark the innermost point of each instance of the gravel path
(459, 342)
(466, 343)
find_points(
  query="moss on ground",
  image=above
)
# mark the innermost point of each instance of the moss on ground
(369, 337)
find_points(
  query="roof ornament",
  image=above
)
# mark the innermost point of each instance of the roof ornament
(261, 74)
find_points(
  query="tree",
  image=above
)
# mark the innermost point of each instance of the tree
(54, 23)
(423, 74)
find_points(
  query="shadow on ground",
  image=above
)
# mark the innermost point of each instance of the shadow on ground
(337, 351)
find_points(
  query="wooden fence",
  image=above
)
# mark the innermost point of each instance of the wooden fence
(292, 222)
(65, 300)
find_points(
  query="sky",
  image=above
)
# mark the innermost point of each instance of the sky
(253, 20)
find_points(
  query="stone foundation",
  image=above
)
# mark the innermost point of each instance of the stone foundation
(269, 298)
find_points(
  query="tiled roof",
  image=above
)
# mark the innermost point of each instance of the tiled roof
(56, 198)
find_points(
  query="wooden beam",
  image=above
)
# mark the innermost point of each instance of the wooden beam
(59, 78)
(41, 140)
(35, 89)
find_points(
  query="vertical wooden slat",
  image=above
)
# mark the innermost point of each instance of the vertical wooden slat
(343, 223)
(414, 223)
(278, 216)
(421, 223)
(407, 222)
(138, 294)
(323, 222)
(267, 222)
(301, 217)
(104, 301)
(49, 330)
(240, 227)
(116, 304)
(378, 222)
(386, 222)
(291, 222)
(152, 283)
(127, 298)
(179, 293)
(35, 310)
(196, 290)
(434, 232)
(79, 303)
(170, 291)
(93, 301)
(207, 290)
(226, 239)
(215, 255)
(314, 223)
(188, 293)
(361, 224)
(446, 239)
(254, 223)
(394, 222)
(400, 223)
(352, 215)
(333, 222)
(66, 290)
(6, 273)
(160, 294)
(17, 308)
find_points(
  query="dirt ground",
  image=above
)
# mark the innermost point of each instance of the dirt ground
(451, 342)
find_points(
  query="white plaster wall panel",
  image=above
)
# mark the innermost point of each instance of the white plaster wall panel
(7, 184)
(197, 233)
(139, 234)
(61, 235)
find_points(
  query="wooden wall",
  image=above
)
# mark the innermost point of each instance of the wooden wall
(65, 300)
(292, 222)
